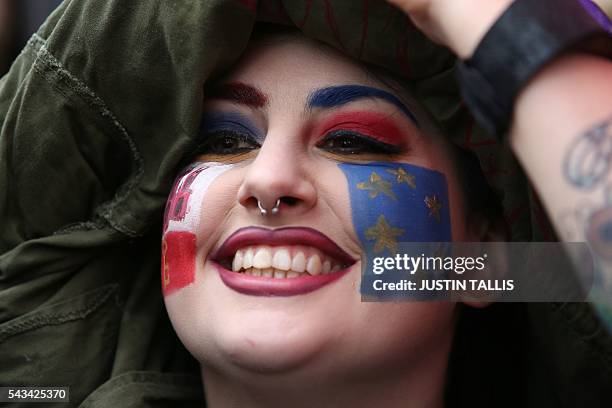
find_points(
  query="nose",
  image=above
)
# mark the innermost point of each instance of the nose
(277, 181)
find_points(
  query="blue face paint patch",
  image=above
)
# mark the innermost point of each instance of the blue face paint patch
(218, 121)
(397, 202)
(335, 96)
(393, 203)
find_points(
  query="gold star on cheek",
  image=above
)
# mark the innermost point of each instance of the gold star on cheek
(401, 176)
(434, 206)
(376, 185)
(384, 234)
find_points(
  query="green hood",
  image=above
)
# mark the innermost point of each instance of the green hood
(95, 116)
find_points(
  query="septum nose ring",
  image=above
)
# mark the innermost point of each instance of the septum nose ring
(273, 211)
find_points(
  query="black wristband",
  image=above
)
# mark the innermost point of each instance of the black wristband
(527, 36)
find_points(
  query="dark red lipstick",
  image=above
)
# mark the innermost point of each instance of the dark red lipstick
(281, 236)
(268, 286)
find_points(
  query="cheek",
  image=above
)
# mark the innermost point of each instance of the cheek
(178, 260)
(408, 334)
(396, 202)
(182, 220)
(393, 203)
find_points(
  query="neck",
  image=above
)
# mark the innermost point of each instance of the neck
(414, 384)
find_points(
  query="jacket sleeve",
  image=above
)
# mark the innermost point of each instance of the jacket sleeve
(95, 115)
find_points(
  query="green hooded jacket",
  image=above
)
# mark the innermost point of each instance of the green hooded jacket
(96, 114)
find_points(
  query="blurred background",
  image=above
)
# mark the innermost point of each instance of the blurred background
(20, 18)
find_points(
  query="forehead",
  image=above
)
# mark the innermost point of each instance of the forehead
(295, 64)
(290, 72)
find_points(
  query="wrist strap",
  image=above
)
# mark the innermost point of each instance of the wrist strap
(526, 37)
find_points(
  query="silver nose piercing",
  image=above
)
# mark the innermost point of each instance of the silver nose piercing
(274, 209)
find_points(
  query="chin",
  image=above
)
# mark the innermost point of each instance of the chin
(268, 353)
(250, 334)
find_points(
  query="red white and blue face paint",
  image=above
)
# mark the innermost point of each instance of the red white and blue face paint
(396, 202)
(182, 223)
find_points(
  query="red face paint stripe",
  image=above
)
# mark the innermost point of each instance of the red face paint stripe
(240, 93)
(376, 125)
(178, 260)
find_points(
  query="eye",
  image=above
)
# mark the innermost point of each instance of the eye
(227, 142)
(347, 142)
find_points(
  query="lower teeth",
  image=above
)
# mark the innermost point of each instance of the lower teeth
(272, 273)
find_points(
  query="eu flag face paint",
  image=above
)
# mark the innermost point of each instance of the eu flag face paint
(393, 202)
(182, 221)
(396, 202)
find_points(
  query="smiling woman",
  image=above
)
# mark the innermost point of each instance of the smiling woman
(288, 141)
(265, 234)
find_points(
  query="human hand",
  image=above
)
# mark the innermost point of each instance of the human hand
(458, 25)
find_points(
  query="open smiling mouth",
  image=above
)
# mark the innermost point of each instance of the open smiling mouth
(281, 262)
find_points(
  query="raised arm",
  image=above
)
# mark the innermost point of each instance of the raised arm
(560, 130)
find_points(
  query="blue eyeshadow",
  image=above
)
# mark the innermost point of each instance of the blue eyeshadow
(217, 121)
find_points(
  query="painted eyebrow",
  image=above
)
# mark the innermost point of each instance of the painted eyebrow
(240, 93)
(334, 96)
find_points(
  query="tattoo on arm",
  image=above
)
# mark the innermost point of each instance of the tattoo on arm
(589, 158)
(587, 166)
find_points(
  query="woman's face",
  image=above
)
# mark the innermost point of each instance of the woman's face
(299, 123)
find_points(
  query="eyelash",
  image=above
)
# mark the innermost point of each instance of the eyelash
(208, 146)
(367, 144)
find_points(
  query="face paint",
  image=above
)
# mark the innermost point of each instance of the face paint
(376, 125)
(334, 96)
(178, 260)
(182, 221)
(396, 202)
(219, 121)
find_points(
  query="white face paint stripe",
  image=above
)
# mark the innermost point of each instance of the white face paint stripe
(193, 193)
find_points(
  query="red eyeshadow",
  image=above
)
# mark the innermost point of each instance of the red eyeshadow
(240, 93)
(376, 125)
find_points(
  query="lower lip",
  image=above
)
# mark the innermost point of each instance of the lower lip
(264, 286)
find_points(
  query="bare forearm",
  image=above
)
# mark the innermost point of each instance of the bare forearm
(562, 134)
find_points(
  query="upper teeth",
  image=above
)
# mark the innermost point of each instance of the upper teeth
(284, 258)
